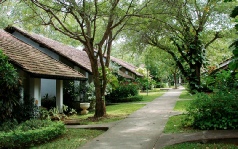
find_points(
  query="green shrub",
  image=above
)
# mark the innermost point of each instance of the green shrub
(130, 99)
(218, 110)
(123, 91)
(10, 88)
(33, 124)
(224, 80)
(30, 133)
(8, 125)
(25, 110)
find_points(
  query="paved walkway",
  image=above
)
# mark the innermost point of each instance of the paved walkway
(144, 128)
(141, 129)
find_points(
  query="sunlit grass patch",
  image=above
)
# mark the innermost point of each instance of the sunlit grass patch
(182, 105)
(186, 95)
(114, 112)
(151, 96)
(175, 124)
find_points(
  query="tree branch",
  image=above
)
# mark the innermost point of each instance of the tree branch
(217, 35)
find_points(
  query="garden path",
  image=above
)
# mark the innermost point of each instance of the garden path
(140, 130)
(144, 128)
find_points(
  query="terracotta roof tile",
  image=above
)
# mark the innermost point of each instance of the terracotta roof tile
(33, 61)
(126, 65)
(77, 56)
(73, 54)
(124, 75)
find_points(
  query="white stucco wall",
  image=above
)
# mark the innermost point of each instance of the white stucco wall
(35, 90)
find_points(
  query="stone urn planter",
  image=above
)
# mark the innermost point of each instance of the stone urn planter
(84, 106)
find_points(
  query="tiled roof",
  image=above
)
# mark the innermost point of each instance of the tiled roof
(77, 56)
(33, 61)
(124, 75)
(126, 65)
(73, 54)
(223, 65)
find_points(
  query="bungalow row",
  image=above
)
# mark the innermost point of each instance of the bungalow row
(65, 55)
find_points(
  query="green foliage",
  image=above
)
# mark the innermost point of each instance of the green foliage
(25, 110)
(182, 105)
(145, 82)
(10, 105)
(186, 95)
(218, 110)
(188, 145)
(175, 125)
(54, 113)
(186, 36)
(33, 124)
(112, 81)
(222, 80)
(31, 132)
(73, 92)
(234, 46)
(48, 102)
(124, 91)
(10, 88)
(44, 114)
(8, 125)
(72, 139)
(91, 91)
(129, 99)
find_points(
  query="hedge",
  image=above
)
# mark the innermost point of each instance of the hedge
(127, 99)
(20, 139)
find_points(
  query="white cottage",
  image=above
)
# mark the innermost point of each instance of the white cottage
(74, 58)
(33, 66)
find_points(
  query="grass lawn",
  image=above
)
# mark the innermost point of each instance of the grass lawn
(77, 137)
(72, 139)
(186, 95)
(201, 146)
(114, 113)
(175, 123)
(181, 105)
(151, 95)
(118, 111)
(185, 100)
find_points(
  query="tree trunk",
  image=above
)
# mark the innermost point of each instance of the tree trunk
(194, 79)
(100, 109)
(175, 81)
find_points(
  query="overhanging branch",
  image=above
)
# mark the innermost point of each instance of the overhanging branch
(217, 35)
